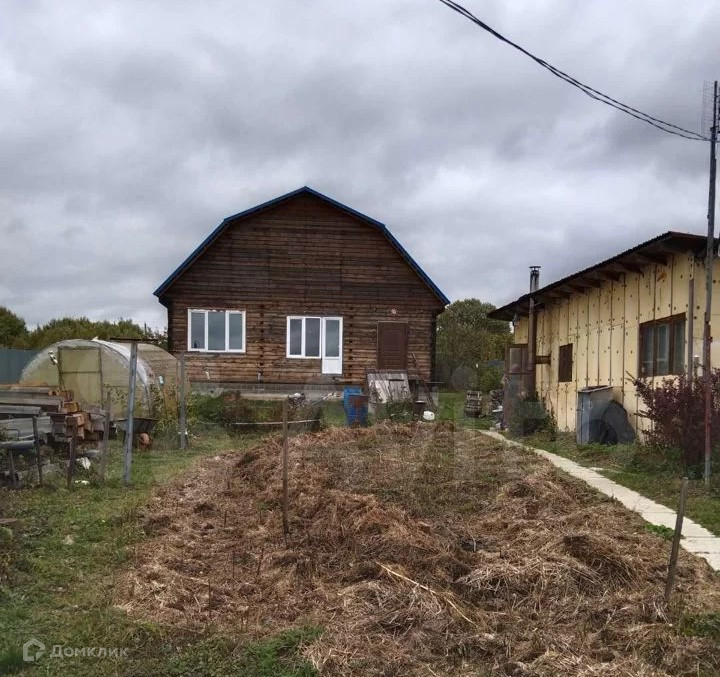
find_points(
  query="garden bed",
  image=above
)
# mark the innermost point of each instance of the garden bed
(419, 549)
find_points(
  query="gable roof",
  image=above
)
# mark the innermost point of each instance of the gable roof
(655, 250)
(210, 239)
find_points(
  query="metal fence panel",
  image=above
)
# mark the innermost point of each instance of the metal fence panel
(12, 362)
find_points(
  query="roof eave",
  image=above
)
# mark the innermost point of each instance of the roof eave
(657, 250)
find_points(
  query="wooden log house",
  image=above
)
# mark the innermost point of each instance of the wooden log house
(300, 291)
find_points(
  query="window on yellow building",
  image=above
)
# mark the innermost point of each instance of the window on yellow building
(662, 346)
(565, 363)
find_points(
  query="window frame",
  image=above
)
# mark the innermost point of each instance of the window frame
(670, 321)
(565, 364)
(303, 356)
(228, 312)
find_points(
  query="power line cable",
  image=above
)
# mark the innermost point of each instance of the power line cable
(586, 89)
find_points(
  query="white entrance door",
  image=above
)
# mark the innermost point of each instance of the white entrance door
(332, 345)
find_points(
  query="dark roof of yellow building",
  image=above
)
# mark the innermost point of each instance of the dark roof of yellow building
(657, 250)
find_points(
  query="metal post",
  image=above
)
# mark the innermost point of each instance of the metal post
(71, 442)
(36, 437)
(531, 348)
(532, 330)
(286, 524)
(106, 437)
(690, 323)
(676, 540)
(13, 475)
(130, 412)
(183, 404)
(709, 256)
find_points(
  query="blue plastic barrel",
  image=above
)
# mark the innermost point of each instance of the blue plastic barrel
(350, 390)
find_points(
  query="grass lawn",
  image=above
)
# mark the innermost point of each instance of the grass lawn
(57, 574)
(333, 413)
(450, 408)
(651, 473)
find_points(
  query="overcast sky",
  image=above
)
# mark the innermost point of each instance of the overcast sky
(130, 129)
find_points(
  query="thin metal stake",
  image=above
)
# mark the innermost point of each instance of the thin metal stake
(676, 541)
(36, 437)
(71, 462)
(106, 437)
(709, 257)
(286, 525)
(691, 324)
(13, 476)
(130, 413)
(183, 405)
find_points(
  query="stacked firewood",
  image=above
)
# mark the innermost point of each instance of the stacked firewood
(60, 414)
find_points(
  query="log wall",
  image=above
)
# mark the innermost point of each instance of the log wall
(301, 257)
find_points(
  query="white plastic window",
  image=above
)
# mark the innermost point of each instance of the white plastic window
(303, 337)
(216, 331)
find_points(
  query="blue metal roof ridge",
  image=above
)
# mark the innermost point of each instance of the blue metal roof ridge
(271, 203)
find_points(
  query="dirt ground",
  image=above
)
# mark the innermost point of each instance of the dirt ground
(420, 550)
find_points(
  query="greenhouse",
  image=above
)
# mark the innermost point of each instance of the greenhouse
(95, 370)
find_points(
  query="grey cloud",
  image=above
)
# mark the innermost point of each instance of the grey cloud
(13, 226)
(133, 128)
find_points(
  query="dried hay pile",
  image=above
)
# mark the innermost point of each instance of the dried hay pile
(420, 550)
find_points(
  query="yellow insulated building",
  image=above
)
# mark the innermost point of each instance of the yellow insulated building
(639, 313)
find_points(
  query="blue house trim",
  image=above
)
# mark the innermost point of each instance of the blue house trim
(271, 203)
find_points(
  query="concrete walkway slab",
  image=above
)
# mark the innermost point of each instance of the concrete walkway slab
(694, 530)
(711, 545)
(712, 560)
(696, 539)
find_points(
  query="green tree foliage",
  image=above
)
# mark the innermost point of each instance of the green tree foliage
(82, 328)
(14, 333)
(12, 328)
(466, 340)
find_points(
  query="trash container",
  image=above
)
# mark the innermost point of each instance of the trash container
(591, 405)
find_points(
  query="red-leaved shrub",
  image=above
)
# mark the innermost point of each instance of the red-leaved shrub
(677, 411)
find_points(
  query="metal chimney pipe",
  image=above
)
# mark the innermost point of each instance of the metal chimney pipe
(532, 329)
(534, 278)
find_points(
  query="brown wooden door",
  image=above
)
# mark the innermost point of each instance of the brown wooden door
(392, 345)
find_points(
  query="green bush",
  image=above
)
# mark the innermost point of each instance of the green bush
(529, 416)
(676, 409)
(399, 411)
(227, 409)
(489, 378)
(230, 407)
